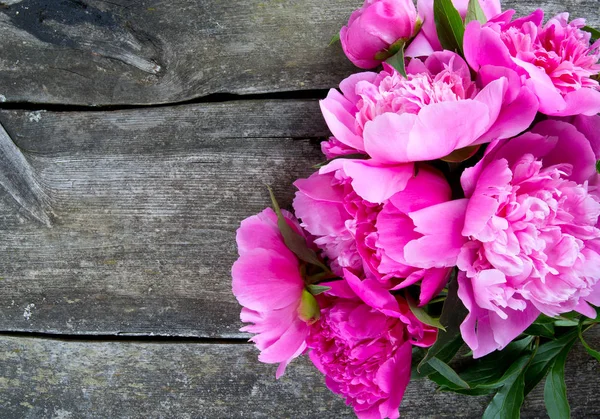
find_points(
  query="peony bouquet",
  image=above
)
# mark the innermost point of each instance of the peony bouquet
(458, 209)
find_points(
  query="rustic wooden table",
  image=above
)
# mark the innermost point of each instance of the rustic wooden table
(136, 135)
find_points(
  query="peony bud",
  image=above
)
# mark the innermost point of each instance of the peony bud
(376, 29)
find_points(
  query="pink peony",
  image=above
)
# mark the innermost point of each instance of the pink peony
(267, 282)
(556, 59)
(364, 353)
(357, 212)
(426, 41)
(434, 111)
(374, 27)
(526, 236)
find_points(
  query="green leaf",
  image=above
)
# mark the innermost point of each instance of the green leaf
(544, 357)
(317, 289)
(422, 315)
(555, 389)
(490, 371)
(294, 241)
(588, 348)
(449, 25)
(566, 323)
(392, 50)
(449, 340)
(507, 402)
(598, 166)
(309, 308)
(543, 326)
(335, 38)
(397, 61)
(595, 32)
(447, 372)
(475, 12)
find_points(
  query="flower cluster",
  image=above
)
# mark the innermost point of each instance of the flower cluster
(462, 178)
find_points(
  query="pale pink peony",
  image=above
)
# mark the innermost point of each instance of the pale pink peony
(267, 282)
(357, 212)
(526, 236)
(434, 111)
(374, 27)
(426, 41)
(556, 59)
(365, 352)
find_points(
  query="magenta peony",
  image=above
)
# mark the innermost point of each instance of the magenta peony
(429, 114)
(374, 27)
(426, 41)
(556, 59)
(357, 212)
(268, 284)
(527, 235)
(364, 353)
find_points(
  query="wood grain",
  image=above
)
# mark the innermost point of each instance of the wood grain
(145, 206)
(42, 378)
(95, 52)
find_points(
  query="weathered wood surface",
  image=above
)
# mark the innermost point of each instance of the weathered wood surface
(56, 379)
(97, 52)
(144, 207)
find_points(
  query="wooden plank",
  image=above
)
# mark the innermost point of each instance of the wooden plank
(56, 379)
(95, 52)
(145, 206)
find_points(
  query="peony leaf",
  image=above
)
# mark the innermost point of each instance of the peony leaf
(588, 348)
(449, 25)
(308, 310)
(449, 341)
(507, 402)
(543, 326)
(475, 12)
(489, 372)
(447, 372)
(544, 357)
(595, 32)
(555, 389)
(598, 166)
(397, 61)
(294, 241)
(422, 315)
(462, 154)
(317, 289)
(335, 38)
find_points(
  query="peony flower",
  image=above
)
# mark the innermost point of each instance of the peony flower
(267, 282)
(357, 212)
(526, 236)
(429, 114)
(374, 27)
(364, 353)
(426, 41)
(556, 59)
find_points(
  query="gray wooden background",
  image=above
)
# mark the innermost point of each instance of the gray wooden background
(136, 136)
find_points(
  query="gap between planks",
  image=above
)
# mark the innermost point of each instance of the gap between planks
(313, 94)
(125, 338)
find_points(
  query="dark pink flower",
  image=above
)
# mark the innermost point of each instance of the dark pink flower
(429, 114)
(357, 212)
(527, 235)
(365, 351)
(556, 59)
(267, 282)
